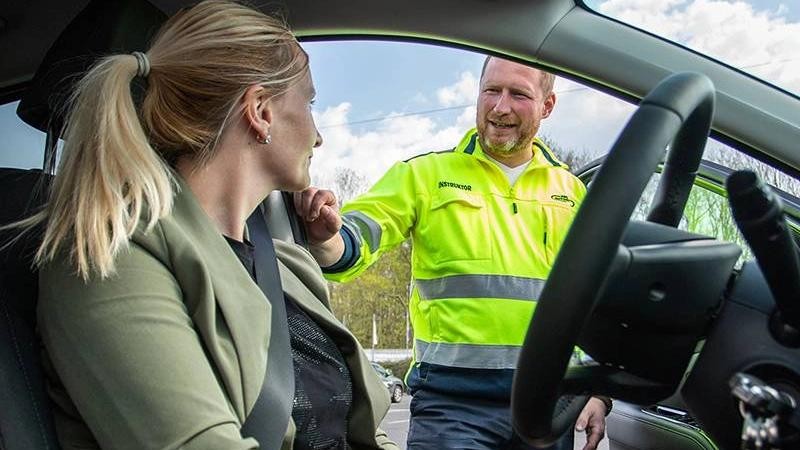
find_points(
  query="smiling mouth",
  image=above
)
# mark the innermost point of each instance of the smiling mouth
(504, 126)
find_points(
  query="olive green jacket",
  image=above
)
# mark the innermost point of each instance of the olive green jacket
(170, 352)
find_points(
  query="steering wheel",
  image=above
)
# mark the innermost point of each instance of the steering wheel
(677, 111)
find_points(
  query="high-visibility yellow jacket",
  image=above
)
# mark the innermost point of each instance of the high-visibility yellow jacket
(481, 251)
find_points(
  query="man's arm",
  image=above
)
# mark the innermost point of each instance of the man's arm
(374, 222)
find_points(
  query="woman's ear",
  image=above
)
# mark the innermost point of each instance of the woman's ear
(258, 111)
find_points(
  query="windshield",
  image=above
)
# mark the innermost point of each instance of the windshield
(760, 37)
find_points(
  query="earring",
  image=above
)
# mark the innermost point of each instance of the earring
(265, 140)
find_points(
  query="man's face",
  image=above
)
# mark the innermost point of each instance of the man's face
(511, 104)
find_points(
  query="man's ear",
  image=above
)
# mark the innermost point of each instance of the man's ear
(549, 104)
(258, 110)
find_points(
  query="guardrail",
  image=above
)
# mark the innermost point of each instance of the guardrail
(388, 354)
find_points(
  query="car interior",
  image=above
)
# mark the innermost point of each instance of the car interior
(697, 350)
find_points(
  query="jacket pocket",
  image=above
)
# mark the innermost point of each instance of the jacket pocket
(558, 219)
(458, 227)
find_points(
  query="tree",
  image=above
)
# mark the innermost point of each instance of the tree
(348, 183)
(383, 290)
(573, 158)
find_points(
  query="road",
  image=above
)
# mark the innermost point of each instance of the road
(396, 426)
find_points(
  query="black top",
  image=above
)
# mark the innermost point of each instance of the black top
(323, 386)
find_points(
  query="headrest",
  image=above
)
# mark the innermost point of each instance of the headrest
(102, 28)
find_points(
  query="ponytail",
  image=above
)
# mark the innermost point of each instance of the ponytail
(109, 176)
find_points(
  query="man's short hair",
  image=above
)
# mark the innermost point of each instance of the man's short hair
(547, 79)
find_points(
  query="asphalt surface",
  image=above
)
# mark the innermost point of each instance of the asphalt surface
(396, 426)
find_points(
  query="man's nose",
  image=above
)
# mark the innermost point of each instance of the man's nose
(503, 105)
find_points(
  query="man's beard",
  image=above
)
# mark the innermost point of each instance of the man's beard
(509, 147)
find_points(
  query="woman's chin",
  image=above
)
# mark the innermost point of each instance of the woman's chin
(302, 183)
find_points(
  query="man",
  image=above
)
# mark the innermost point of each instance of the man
(486, 220)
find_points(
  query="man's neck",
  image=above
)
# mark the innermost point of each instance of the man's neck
(515, 159)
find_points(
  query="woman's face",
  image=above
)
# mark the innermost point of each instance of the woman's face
(294, 136)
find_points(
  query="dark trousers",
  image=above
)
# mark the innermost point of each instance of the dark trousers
(444, 421)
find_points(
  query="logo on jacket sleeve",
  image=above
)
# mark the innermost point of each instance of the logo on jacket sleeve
(563, 198)
(463, 187)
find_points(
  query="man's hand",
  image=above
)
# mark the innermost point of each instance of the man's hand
(319, 211)
(593, 420)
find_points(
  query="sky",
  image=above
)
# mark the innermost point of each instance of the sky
(381, 102)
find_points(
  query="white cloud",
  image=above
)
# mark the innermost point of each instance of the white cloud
(585, 120)
(372, 152)
(761, 42)
(463, 92)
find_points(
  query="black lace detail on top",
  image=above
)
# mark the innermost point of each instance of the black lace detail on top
(323, 386)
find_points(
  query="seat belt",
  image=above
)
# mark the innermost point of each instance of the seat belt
(269, 418)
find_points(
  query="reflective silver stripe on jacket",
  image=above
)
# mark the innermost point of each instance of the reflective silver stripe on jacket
(481, 286)
(369, 229)
(472, 356)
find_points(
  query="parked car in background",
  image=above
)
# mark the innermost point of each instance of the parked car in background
(395, 385)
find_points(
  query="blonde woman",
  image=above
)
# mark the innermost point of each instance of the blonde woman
(155, 331)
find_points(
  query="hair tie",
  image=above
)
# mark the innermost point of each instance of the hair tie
(143, 62)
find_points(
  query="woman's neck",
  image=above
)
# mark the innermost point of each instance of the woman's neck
(228, 190)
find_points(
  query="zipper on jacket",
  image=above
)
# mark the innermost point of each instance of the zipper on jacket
(514, 209)
(545, 225)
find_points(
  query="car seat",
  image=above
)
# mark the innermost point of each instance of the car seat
(25, 419)
(101, 28)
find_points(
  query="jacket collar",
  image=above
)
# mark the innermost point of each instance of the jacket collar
(238, 297)
(543, 156)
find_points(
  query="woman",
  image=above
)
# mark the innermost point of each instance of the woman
(155, 333)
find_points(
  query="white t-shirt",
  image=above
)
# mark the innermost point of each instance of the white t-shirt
(511, 172)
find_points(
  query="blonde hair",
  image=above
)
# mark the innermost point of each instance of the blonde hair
(115, 165)
(546, 79)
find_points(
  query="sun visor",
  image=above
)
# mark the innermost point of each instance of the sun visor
(102, 28)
